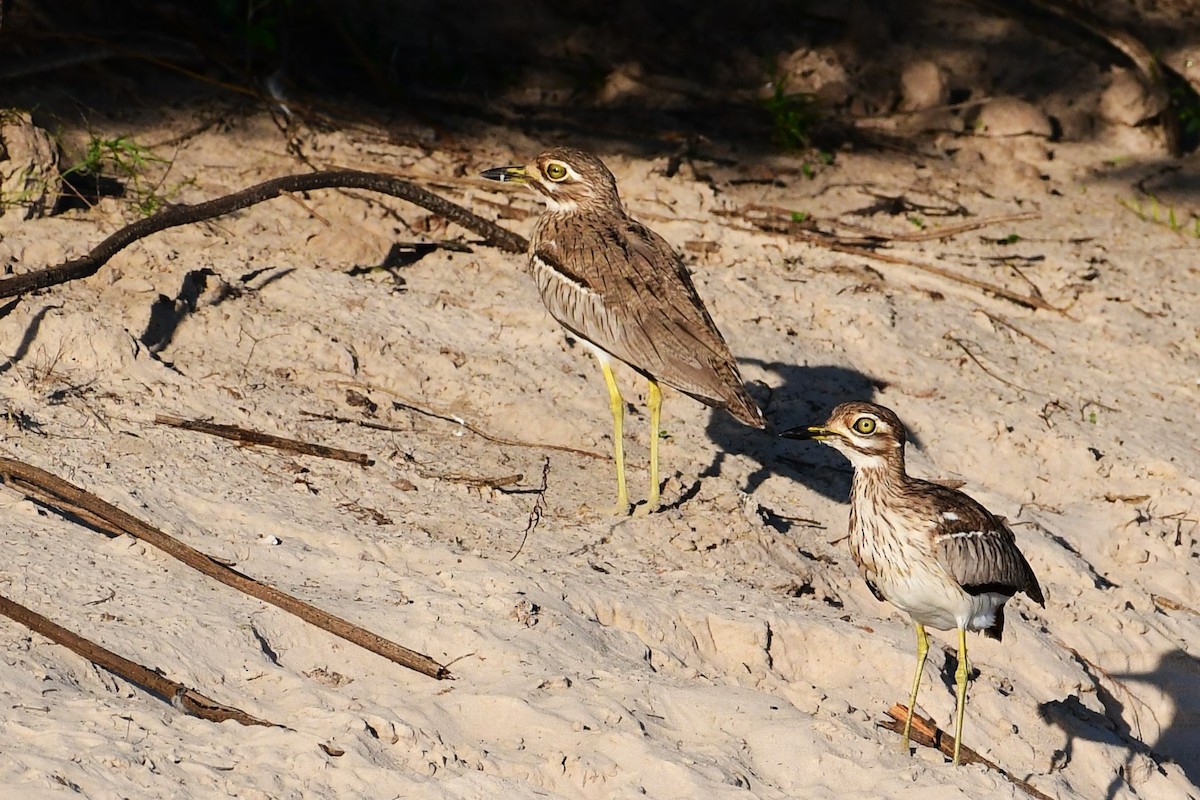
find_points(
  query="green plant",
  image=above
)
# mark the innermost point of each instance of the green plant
(127, 160)
(793, 115)
(255, 24)
(1150, 209)
(1187, 109)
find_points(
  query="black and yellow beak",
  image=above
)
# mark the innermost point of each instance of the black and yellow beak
(506, 174)
(817, 433)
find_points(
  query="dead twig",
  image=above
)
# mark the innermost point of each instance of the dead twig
(364, 423)
(244, 436)
(457, 420)
(865, 247)
(946, 232)
(978, 363)
(185, 699)
(88, 265)
(1167, 604)
(926, 734)
(539, 508)
(1006, 323)
(66, 498)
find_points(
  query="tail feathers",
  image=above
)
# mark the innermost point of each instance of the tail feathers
(736, 400)
(741, 405)
(720, 387)
(997, 630)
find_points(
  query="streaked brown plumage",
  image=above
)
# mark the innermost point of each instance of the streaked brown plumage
(931, 551)
(624, 291)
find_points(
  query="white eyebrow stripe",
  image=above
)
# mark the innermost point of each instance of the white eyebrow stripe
(950, 515)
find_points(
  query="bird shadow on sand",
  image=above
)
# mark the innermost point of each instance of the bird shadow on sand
(1175, 675)
(795, 395)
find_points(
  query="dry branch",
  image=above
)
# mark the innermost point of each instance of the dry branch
(865, 246)
(962, 346)
(249, 437)
(90, 264)
(926, 734)
(406, 404)
(68, 498)
(178, 695)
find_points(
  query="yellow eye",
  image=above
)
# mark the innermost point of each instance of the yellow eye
(864, 425)
(556, 171)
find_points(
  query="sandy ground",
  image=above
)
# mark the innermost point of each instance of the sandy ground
(723, 647)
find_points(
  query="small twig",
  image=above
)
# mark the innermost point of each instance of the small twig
(978, 363)
(539, 508)
(1006, 323)
(946, 232)
(831, 242)
(926, 734)
(1168, 604)
(457, 420)
(185, 699)
(365, 423)
(991, 288)
(245, 436)
(67, 498)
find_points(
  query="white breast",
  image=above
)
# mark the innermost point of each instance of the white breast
(900, 563)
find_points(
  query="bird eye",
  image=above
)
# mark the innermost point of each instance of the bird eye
(555, 171)
(864, 425)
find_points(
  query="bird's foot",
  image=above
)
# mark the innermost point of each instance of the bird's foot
(644, 509)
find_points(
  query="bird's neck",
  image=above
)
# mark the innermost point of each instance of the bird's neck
(879, 474)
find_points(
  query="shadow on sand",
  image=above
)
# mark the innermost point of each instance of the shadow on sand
(802, 395)
(1176, 675)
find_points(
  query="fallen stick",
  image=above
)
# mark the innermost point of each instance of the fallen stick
(962, 346)
(88, 265)
(66, 497)
(459, 421)
(941, 232)
(926, 734)
(865, 244)
(182, 697)
(245, 436)
(830, 242)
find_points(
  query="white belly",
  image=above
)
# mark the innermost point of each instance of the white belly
(935, 601)
(909, 576)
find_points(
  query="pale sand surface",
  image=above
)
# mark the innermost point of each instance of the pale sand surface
(724, 647)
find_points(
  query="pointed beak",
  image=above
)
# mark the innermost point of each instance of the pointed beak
(506, 174)
(815, 432)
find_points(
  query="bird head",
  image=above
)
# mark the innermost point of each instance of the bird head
(867, 434)
(567, 179)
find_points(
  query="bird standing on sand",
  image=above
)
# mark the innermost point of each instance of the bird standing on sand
(620, 288)
(929, 550)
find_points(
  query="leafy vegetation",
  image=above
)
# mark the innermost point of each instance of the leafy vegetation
(126, 160)
(1150, 209)
(793, 115)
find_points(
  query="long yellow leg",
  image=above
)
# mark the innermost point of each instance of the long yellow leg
(960, 680)
(922, 652)
(617, 406)
(655, 403)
